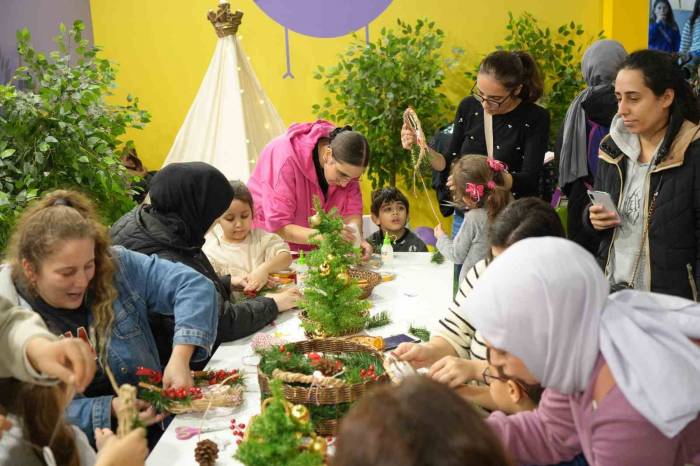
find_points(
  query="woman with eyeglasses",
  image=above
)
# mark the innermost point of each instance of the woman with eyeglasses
(621, 371)
(310, 160)
(507, 86)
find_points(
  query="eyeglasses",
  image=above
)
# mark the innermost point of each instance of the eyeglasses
(341, 177)
(476, 93)
(488, 378)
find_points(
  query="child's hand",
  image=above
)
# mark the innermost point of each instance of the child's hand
(450, 183)
(256, 280)
(439, 232)
(238, 282)
(128, 451)
(103, 437)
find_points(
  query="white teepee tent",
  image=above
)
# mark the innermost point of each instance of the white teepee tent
(231, 118)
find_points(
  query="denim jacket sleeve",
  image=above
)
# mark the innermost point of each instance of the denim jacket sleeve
(176, 290)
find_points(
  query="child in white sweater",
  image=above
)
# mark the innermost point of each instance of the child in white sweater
(235, 248)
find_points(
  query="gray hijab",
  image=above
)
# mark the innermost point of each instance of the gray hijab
(599, 67)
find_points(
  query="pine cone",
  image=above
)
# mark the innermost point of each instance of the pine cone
(206, 452)
(328, 367)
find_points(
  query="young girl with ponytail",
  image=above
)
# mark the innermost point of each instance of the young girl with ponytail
(482, 186)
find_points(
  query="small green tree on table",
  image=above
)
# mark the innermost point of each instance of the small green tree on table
(277, 435)
(330, 295)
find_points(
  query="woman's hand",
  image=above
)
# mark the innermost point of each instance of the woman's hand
(71, 360)
(5, 425)
(367, 250)
(439, 232)
(454, 371)
(349, 234)
(450, 183)
(128, 451)
(177, 373)
(417, 354)
(286, 299)
(147, 413)
(408, 137)
(256, 280)
(602, 219)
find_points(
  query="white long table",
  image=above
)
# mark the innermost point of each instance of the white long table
(421, 291)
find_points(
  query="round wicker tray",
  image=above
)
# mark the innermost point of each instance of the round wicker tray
(367, 280)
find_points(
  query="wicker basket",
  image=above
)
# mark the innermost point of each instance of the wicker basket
(219, 395)
(370, 280)
(307, 395)
(318, 334)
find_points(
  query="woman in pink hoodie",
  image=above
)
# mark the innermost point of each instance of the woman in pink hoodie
(310, 160)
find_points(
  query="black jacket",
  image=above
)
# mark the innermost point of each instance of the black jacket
(140, 230)
(409, 242)
(673, 262)
(600, 107)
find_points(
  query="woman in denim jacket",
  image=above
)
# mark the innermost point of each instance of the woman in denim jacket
(62, 267)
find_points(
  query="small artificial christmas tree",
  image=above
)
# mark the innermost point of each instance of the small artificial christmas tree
(330, 294)
(281, 434)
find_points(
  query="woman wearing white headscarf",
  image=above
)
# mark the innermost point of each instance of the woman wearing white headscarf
(587, 121)
(622, 372)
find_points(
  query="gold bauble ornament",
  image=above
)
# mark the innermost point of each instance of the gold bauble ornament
(315, 220)
(330, 257)
(300, 414)
(324, 269)
(318, 445)
(343, 278)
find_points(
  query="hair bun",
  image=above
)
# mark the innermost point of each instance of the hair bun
(62, 201)
(339, 130)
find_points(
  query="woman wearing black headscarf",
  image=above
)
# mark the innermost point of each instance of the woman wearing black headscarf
(186, 199)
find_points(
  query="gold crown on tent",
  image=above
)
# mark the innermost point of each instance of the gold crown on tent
(225, 23)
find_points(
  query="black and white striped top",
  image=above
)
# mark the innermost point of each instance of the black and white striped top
(455, 328)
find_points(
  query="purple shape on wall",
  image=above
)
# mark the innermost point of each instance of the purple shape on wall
(321, 18)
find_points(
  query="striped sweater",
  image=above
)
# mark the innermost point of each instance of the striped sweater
(455, 328)
(690, 37)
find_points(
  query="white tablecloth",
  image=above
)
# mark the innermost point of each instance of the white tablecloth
(421, 291)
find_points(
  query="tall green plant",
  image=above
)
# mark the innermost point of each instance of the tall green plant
(373, 83)
(57, 130)
(558, 54)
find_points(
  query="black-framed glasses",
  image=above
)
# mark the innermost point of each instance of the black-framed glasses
(487, 377)
(489, 100)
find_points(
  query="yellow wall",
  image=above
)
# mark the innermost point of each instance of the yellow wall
(164, 48)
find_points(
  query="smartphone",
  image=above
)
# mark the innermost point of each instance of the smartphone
(392, 342)
(604, 199)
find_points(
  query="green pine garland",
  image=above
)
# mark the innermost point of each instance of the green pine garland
(437, 257)
(273, 437)
(378, 320)
(419, 332)
(332, 301)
